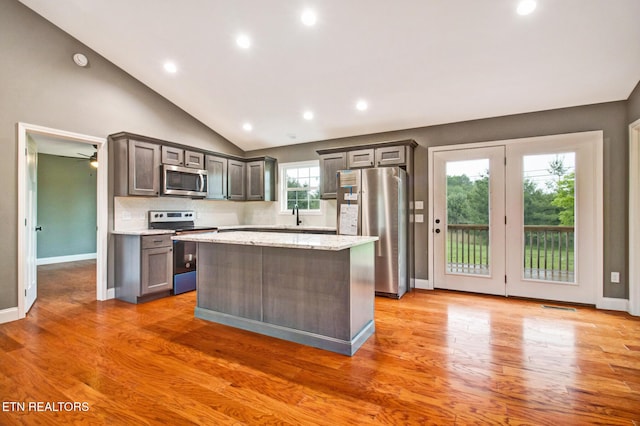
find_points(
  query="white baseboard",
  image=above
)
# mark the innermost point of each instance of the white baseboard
(62, 259)
(111, 293)
(423, 284)
(613, 304)
(8, 315)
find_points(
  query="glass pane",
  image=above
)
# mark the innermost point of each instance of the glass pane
(303, 172)
(468, 217)
(549, 217)
(314, 204)
(292, 173)
(314, 171)
(303, 183)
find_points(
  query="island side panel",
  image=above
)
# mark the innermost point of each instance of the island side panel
(308, 290)
(230, 279)
(363, 286)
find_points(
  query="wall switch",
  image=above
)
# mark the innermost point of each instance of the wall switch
(419, 205)
(419, 218)
(615, 277)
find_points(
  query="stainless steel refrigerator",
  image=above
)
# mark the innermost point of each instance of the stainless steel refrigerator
(374, 202)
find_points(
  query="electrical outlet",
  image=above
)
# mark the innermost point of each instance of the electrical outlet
(615, 277)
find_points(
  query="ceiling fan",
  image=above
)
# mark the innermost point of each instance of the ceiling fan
(93, 158)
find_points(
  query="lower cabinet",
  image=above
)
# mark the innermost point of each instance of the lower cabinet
(143, 267)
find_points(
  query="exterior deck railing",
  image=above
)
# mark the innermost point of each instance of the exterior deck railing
(548, 251)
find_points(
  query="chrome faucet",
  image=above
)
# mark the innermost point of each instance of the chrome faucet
(296, 211)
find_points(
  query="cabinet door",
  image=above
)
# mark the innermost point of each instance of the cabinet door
(361, 158)
(236, 183)
(172, 156)
(144, 168)
(156, 270)
(390, 156)
(329, 166)
(193, 159)
(216, 177)
(255, 180)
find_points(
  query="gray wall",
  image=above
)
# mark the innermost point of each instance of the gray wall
(41, 85)
(634, 105)
(611, 118)
(66, 206)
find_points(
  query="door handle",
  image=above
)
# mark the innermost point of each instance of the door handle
(437, 231)
(201, 182)
(38, 228)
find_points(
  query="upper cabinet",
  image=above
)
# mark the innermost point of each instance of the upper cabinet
(395, 153)
(391, 155)
(360, 158)
(329, 166)
(182, 157)
(261, 180)
(144, 168)
(236, 176)
(216, 177)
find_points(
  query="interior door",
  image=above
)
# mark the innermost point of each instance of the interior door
(31, 274)
(469, 220)
(554, 242)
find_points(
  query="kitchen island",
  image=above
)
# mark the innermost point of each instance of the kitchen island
(312, 289)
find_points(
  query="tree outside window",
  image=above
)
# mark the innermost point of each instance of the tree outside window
(301, 186)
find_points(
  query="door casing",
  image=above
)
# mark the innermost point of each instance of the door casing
(23, 129)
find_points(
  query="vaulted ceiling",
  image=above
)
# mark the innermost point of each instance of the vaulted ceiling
(414, 62)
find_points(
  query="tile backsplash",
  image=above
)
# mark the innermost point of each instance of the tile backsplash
(130, 213)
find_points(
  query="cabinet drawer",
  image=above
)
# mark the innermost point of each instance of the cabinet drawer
(151, 241)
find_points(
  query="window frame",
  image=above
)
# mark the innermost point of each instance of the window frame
(282, 186)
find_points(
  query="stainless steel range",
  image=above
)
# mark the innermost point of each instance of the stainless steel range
(184, 252)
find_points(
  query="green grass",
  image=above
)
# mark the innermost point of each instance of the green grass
(482, 255)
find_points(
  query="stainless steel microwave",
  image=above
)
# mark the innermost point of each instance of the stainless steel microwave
(178, 180)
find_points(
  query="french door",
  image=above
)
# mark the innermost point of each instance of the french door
(469, 229)
(520, 218)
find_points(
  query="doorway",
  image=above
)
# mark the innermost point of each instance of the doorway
(27, 167)
(519, 218)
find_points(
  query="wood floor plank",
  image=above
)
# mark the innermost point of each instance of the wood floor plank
(438, 357)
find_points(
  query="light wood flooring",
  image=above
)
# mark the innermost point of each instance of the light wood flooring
(436, 358)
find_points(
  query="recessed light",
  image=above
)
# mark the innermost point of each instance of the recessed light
(247, 127)
(170, 67)
(525, 7)
(362, 105)
(309, 17)
(308, 115)
(243, 41)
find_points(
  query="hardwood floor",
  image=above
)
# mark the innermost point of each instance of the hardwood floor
(436, 358)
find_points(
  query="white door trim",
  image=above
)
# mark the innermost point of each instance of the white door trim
(634, 211)
(102, 193)
(600, 300)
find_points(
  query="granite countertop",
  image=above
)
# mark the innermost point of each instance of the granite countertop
(280, 239)
(144, 232)
(278, 227)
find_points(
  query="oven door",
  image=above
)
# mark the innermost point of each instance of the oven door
(178, 180)
(184, 257)
(184, 266)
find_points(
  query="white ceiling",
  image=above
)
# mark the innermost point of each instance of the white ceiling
(417, 62)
